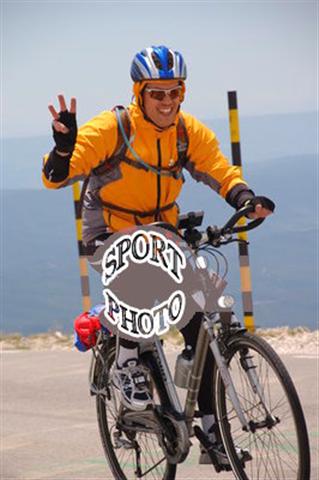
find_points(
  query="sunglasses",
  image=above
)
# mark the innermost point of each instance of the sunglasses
(159, 95)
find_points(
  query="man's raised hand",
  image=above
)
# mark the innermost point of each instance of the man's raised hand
(64, 125)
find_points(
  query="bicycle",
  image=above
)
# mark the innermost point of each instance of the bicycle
(257, 406)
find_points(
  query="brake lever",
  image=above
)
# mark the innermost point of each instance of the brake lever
(242, 212)
(248, 226)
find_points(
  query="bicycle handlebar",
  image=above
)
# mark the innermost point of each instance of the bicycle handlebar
(213, 234)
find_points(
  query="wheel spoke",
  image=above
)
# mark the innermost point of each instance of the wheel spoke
(136, 450)
(280, 450)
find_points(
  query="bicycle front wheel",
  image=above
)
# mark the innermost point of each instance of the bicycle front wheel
(277, 440)
(131, 454)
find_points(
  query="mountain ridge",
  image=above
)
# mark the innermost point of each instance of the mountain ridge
(40, 266)
(262, 138)
(40, 263)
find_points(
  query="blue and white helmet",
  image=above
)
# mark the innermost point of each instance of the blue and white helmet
(158, 63)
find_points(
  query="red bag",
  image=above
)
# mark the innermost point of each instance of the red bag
(86, 327)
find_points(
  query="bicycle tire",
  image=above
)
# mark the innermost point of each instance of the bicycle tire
(281, 451)
(122, 461)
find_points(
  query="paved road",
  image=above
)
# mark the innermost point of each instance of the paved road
(49, 427)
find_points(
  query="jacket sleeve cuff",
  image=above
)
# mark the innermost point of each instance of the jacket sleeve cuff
(239, 195)
(56, 168)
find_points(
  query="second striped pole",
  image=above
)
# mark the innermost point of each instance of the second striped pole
(245, 274)
(84, 275)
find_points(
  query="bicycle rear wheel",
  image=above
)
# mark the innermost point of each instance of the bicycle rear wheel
(278, 440)
(131, 454)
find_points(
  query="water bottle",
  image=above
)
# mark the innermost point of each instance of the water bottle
(183, 366)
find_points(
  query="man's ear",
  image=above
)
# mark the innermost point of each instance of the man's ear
(138, 88)
(183, 91)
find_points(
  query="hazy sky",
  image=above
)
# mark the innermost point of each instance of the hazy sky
(266, 50)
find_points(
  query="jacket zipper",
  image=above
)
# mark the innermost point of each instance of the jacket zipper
(159, 165)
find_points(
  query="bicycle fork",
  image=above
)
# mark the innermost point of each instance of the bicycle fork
(248, 366)
(207, 338)
(227, 380)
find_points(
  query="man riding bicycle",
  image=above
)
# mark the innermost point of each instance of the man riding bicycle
(134, 159)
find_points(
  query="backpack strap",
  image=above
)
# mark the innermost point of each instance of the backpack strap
(182, 145)
(123, 143)
(139, 213)
(123, 128)
(182, 142)
(120, 149)
(138, 162)
(124, 134)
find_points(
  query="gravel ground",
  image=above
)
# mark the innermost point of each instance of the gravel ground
(285, 340)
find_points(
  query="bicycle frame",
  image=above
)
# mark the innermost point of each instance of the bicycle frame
(182, 418)
(207, 338)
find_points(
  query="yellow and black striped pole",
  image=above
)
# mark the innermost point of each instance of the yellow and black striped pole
(85, 285)
(245, 275)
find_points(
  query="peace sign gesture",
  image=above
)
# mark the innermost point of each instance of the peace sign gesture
(64, 125)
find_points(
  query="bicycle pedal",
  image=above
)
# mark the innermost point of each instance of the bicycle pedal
(120, 442)
(225, 468)
(246, 457)
(198, 414)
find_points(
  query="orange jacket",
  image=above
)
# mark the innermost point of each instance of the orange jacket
(137, 189)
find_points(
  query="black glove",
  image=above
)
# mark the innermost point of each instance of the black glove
(263, 201)
(56, 168)
(65, 141)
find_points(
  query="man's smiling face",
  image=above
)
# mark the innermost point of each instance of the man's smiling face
(162, 111)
